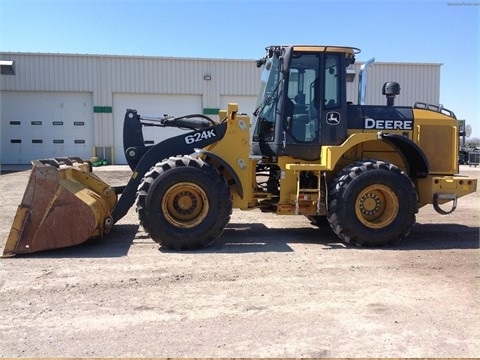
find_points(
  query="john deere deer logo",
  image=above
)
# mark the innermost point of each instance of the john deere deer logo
(333, 118)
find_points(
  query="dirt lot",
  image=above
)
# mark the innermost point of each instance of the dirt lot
(270, 287)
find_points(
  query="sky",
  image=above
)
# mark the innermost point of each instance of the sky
(419, 31)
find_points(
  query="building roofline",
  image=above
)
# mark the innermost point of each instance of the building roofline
(152, 57)
(405, 63)
(147, 57)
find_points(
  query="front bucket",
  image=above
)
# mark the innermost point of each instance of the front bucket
(64, 204)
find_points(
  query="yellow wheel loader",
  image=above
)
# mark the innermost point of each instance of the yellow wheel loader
(363, 170)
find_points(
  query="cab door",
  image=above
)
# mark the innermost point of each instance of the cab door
(333, 115)
(314, 106)
(300, 113)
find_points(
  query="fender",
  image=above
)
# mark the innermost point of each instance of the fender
(416, 159)
(226, 166)
(330, 155)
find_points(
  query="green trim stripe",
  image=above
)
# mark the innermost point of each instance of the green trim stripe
(102, 109)
(210, 111)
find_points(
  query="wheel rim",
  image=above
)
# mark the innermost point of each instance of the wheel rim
(376, 206)
(185, 205)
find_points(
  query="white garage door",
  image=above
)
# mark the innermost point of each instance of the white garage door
(39, 125)
(151, 105)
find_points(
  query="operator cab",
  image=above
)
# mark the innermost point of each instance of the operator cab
(302, 100)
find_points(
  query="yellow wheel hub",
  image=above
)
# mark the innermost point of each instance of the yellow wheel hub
(185, 205)
(376, 206)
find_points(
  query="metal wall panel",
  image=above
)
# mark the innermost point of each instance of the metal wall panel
(105, 75)
(212, 79)
(418, 82)
(35, 72)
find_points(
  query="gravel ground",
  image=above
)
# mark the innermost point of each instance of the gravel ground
(269, 287)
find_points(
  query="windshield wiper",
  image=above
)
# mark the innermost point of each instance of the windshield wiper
(267, 99)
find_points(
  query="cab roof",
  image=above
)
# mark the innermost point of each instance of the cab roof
(319, 48)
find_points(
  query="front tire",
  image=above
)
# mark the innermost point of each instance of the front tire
(372, 203)
(318, 220)
(184, 203)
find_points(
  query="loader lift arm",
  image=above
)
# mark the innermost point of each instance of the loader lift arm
(141, 158)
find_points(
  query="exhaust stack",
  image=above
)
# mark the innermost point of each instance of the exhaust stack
(362, 81)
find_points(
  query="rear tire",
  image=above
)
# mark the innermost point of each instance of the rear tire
(184, 203)
(372, 203)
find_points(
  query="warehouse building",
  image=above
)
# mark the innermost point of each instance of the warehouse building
(74, 105)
